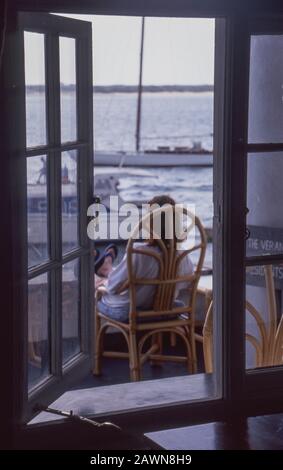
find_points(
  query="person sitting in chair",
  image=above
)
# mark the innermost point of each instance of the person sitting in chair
(115, 302)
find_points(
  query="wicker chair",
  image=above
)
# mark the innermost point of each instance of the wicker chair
(148, 326)
(268, 345)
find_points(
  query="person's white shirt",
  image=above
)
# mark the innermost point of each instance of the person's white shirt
(145, 267)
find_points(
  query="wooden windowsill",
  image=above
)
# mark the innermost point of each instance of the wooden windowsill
(133, 396)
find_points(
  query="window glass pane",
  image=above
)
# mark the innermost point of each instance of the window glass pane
(264, 324)
(38, 330)
(266, 89)
(71, 310)
(35, 89)
(264, 200)
(69, 169)
(37, 210)
(68, 89)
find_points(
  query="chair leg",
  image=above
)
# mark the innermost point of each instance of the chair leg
(157, 339)
(98, 346)
(194, 352)
(192, 362)
(133, 358)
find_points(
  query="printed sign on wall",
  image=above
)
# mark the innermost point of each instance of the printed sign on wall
(264, 241)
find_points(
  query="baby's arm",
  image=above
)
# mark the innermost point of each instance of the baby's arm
(100, 281)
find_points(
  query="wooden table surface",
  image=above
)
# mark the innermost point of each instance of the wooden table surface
(257, 433)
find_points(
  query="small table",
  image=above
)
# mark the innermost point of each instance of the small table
(204, 289)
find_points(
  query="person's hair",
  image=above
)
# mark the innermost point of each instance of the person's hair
(163, 200)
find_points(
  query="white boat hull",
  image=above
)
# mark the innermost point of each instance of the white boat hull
(152, 159)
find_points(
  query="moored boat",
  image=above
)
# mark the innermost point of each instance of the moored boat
(153, 158)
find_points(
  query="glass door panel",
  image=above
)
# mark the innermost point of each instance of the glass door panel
(37, 210)
(264, 244)
(71, 310)
(58, 192)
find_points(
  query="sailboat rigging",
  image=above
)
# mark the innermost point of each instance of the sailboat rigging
(139, 104)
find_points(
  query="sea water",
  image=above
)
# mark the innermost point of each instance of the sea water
(170, 119)
(167, 119)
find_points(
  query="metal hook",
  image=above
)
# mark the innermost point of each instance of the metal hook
(248, 233)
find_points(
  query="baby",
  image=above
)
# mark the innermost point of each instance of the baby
(103, 264)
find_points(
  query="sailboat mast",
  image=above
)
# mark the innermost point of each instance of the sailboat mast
(139, 104)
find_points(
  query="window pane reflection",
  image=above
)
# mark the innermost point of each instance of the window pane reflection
(38, 330)
(37, 210)
(68, 89)
(264, 323)
(35, 89)
(266, 89)
(70, 310)
(264, 196)
(70, 203)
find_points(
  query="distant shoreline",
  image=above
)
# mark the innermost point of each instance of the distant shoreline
(132, 88)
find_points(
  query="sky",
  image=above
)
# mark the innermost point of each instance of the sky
(177, 51)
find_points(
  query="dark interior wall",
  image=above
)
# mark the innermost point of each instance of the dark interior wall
(156, 7)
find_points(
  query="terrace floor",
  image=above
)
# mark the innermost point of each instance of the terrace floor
(116, 371)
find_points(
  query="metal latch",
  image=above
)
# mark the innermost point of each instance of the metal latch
(70, 414)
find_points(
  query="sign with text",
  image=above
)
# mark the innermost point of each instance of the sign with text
(264, 241)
